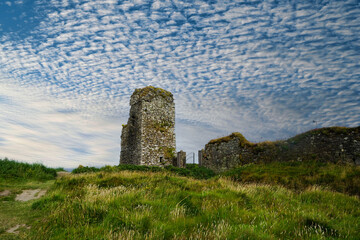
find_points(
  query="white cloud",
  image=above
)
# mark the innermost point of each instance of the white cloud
(37, 130)
(266, 70)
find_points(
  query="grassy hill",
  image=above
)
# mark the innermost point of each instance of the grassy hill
(299, 176)
(14, 178)
(10, 169)
(252, 202)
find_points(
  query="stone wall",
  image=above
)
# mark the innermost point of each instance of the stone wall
(181, 159)
(149, 136)
(336, 144)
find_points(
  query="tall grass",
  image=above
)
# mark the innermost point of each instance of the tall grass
(13, 170)
(301, 175)
(293, 175)
(191, 170)
(162, 205)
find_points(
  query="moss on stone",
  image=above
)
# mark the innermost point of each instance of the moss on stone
(220, 140)
(150, 126)
(335, 130)
(169, 152)
(162, 126)
(142, 92)
(327, 131)
(242, 140)
(334, 144)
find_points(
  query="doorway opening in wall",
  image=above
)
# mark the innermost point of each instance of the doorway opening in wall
(162, 160)
(190, 158)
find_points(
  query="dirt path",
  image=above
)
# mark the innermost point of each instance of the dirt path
(15, 229)
(5, 193)
(30, 194)
(16, 215)
(25, 195)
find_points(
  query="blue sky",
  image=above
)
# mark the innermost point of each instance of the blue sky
(267, 69)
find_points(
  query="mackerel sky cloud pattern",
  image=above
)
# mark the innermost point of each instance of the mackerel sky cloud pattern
(268, 69)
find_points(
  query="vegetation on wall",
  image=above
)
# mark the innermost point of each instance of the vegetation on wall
(169, 152)
(332, 144)
(328, 131)
(142, 92)
(272, 147)
(236, 135)
(162, 126)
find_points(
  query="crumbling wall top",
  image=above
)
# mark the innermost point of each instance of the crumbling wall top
(236, 135)
(331, 144)
(150, 92)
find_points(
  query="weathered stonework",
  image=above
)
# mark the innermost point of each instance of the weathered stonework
(336, 144)
(200, 156)
(149, 137)
(181, 159)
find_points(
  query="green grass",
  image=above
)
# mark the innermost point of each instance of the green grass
(298, 200)
(301, 175)
(13, 213)
(14, 170)
(60, 169)
(15, 177)
(161, 205)
(191, 170)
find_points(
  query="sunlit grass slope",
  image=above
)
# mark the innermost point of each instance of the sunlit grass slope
(191, 170)
(162, 205)
(301, 175)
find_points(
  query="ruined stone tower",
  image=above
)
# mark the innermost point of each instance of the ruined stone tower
(149, 137)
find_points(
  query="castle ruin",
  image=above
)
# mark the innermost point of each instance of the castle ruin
(149, 136)
(332, 144)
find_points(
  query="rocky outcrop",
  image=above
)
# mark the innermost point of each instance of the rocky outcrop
(149, 137)
(334, 144)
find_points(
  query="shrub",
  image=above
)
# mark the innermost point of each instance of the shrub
(60, 169)
(192, 170)
(18, 170)
(142, 168)
(200, 172)
(82, 169)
